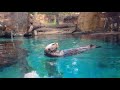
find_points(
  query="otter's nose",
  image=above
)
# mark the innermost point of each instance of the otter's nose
(57, 44)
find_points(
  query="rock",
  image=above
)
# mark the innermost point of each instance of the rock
(2, 26)
(18, 35)
(70, 19)
(35, 33)
(7, 35)
(90, 21)
(27, 34)
(36, 27)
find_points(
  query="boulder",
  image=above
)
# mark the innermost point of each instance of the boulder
(27, 34)
(90, 21)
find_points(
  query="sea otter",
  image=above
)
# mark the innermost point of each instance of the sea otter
(51, 50)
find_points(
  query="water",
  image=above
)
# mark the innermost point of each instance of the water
(97, 63)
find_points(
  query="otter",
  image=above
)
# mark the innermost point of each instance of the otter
(51, 50)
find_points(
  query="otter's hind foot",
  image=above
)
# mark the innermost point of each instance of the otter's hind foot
(94, 46)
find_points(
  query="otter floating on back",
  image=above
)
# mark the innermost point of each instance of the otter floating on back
(51, 50)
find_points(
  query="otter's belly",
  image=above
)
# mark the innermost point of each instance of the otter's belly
(70, 52)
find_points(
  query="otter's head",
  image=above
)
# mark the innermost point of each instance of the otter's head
(51, 48)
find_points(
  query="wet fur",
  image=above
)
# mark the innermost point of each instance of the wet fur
(51, 50)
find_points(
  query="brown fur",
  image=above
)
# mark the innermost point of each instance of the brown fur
(51, 47)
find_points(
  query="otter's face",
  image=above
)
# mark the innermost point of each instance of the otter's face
(51, 47)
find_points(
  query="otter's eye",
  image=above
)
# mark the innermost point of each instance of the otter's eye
(53, 44)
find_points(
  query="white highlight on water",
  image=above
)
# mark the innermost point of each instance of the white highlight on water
(76, 69)
(68, 66)
(74, 63)
(32, 74)
(74, 42)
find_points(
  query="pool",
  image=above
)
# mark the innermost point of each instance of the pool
(97, 63)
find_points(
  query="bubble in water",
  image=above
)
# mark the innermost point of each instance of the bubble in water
(51, 63)
(39, 57)
(74, 42)
(68, 66)
(76, 69)
(75, 59)
(45, 77)
(74, 63)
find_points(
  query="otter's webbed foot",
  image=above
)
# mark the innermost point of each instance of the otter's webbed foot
(94, 46)
(98, 46)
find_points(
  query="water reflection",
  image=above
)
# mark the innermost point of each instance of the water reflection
(113, 38)
(11, 53)
(110, 64)
(51, 67)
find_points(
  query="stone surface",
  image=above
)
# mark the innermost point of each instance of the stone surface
(17, 21)
(90, 21)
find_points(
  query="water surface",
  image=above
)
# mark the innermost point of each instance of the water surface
(97, 63)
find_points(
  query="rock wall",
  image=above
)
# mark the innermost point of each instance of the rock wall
(20, 21)
(39, 18)
(17, 21)
(90, 21)
(42, 19)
